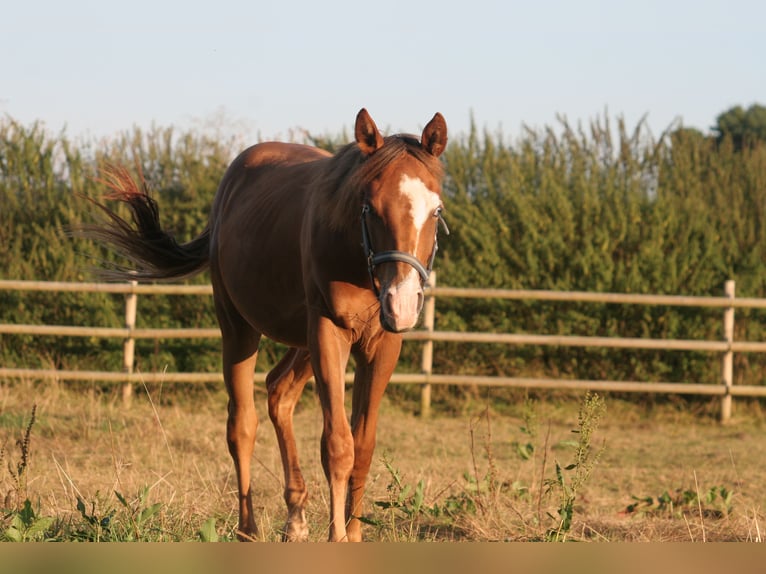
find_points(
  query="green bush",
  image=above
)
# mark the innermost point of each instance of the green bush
(585, 208)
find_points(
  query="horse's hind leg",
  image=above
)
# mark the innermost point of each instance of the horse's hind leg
(242, 423)
(285, 384)
(240, 351)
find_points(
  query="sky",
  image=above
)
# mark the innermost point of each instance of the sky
(266, 69)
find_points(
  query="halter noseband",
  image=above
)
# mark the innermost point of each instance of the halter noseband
(375, 259)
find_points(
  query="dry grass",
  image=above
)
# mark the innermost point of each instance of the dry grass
(481, 475)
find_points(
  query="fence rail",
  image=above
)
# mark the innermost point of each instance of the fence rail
(726, 346)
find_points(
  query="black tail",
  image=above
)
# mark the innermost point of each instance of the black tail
(155, 254)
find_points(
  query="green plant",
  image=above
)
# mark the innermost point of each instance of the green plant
(715, 502)
(18, 471)
(24, 523)
(525, 448)
(95, 527)
(207, 532)
(584, 460)
(133, 520)
(406, 514)
(405, 504)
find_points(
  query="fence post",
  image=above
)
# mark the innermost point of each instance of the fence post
(727, 363)
(129, 346)
(426, 364)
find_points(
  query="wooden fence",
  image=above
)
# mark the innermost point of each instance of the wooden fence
(726, 346)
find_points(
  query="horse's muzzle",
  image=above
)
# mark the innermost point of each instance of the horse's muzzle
(401, 303)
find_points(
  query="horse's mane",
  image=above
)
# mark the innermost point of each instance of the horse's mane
(349, 171)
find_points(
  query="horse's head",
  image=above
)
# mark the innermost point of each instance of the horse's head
(401, 214)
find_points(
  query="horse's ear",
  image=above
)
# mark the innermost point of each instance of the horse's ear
(368, 137)
(434, 139)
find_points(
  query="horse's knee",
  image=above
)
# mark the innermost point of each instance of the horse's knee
(338, 455)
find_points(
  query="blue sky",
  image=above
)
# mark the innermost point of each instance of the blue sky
(264, 68)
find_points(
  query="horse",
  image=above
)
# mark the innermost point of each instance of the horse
(325, 253)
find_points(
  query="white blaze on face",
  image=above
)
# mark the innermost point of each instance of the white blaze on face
(404, 299)
(423, 201)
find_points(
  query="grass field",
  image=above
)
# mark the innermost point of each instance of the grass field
(88, 468)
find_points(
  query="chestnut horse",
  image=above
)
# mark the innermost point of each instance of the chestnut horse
(327, 254)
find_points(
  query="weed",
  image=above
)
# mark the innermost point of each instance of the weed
(18, 471)
(585, 459)
(485, 496)
(461, 503)
(404, 502)
(207, 532)
(526, 449)
(26, 525)
(21, 522)
(139, 511)
(95, 527)
(715, 502)
(132, 520)
(406, 513)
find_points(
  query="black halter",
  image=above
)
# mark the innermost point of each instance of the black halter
(375, 259)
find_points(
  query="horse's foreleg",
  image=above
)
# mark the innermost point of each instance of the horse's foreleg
(238, 365)
(330, 350)
(285, 384)
(374, 367)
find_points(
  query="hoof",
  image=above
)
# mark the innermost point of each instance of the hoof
(296, 528)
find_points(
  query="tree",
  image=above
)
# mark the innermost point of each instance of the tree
(744, 127)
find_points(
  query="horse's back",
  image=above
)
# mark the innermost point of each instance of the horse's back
(266, 170)
(278, 153)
